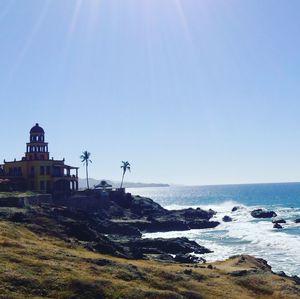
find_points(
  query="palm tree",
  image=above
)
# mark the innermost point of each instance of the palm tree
(125, 166)
(85, 158)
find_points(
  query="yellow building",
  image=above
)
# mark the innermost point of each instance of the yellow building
(37, 172)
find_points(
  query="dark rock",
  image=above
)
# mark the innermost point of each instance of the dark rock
(188, 259)
(235, 208)
(263, 264)
(107, 246)
(172, 245)
(282, 274)
(227, 219)
(278, 221)
(192, 214)
(296, 279)
(164, 226)
(297, 220)
(202, 224)
(210, 267)
(80, 231)
(109, 227)
(18, 217)
(277, 225)
(152, 250)
(260, 213)
(212, 212)
(143, 206)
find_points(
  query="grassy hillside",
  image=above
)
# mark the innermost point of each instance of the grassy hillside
(36, 266)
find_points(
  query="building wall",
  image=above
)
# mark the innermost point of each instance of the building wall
(40, 175)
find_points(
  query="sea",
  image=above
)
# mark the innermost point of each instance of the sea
(245, 234)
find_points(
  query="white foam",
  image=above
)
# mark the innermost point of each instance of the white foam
(247, 235)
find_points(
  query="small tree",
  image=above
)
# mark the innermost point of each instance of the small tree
(125, 166)
(85, 158)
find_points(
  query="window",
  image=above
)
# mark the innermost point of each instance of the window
(48, 170)
(42, 170)
(48, 186)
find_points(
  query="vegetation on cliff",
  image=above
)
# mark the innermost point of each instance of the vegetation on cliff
(37, 260)
(41, 266)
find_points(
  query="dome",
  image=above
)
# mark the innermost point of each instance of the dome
(37, 129)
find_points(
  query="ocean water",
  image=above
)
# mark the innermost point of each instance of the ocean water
(245, 234)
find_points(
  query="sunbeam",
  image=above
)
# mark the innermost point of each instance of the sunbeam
(74, 19)
(34, 31)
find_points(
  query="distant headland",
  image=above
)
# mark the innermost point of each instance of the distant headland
(116, 184)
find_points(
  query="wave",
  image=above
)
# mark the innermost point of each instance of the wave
(219, 207)
(248, 235)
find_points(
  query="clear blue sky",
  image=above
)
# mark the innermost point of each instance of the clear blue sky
(190, 91)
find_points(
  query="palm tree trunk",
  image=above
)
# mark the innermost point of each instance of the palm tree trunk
(87, 175)
(122, 179)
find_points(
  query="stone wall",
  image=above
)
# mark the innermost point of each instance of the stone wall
(21, 202)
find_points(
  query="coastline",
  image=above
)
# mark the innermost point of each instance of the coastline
(244, 234)
(114, 231)
(49, 267)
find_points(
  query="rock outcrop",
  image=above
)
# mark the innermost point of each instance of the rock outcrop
(235, 208)
(277, 225)
(115, 227)
(278, 221)
(227, 219)
(170, 246)
(260, 213)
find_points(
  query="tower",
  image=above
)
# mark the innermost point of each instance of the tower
(37, 148)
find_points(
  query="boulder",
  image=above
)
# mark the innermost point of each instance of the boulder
(277, 225)
(109, 227)
(18, 217)
(192, 214)
(296, 279)
(80, 231)
(260, 213)
(170, 246)
(297, 220)
(278, 221)
(235, 208)
(163, 225)
(227, 219)
(143, 206)
(202, 224)
(281, 273)
(188, 259)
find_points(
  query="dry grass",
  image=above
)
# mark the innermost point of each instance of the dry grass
(36, 266)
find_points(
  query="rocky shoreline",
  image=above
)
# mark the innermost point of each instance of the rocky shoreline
(115, 226)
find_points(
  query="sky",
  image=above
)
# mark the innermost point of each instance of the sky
(191, 92)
